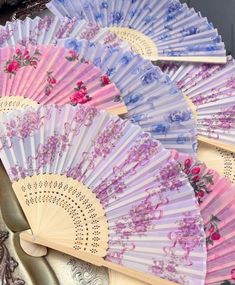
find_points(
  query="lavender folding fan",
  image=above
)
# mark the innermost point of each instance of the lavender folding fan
(158, 30)
(49, 30)
(96, 187)
(100, 76)
(210, 89)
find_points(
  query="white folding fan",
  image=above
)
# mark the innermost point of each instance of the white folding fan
(216, 196)
(96, 187)
(101, 76)
(158, 30)
(49, 30)
(211, 90)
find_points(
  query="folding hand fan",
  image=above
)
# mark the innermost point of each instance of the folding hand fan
(216, 196)
(49, 30)
(158, 30)
(210, 88)
(47, 74)
(96, 75)
(96, 187)
(152, 100)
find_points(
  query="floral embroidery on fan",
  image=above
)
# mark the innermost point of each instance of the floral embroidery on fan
(117, 17)
(46, 153)
(220, 120)
(91, 31)
(150, 77)
(109, 189)
(169, 178)
(187, 236)
(179, 116)
(139, 155)
(216, 94)
(102, 146)
(51, 81)
(118, 255)
(21, 59)
(5, 35)
(212, 231)
(25, 126)
(141, 217)
(168, 269)
(17, 172)
(112, 39)
(81, 95)
(107, 139)
(82, 117)
(200, 181)
(43, 24)
(66, 28)
(142, 152)
(105, 80)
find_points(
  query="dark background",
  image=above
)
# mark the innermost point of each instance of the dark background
(220, 12)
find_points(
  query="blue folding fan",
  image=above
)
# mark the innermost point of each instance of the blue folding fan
(211, 90)
(152, 99)
(158, 30)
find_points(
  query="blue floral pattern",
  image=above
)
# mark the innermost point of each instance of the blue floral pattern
(171, 25)
(149, 94)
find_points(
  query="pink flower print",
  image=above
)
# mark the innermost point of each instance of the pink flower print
(80, 96)
(105, 80)
(120, 226)
(233, 274)
(196, 170)
(187, 163)
(51, 81)
(13, 66)
(73, 56)
(158, 267)
(91, 32)
(213, 231)
(198, 100)
(215, 236)
(20, 59)
(200, 194)
(170, 268)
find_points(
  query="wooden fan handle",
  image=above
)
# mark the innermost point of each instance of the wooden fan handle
(208, 59)
(33, 249)
(217, 143)
(146, 278)
(27, 238)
